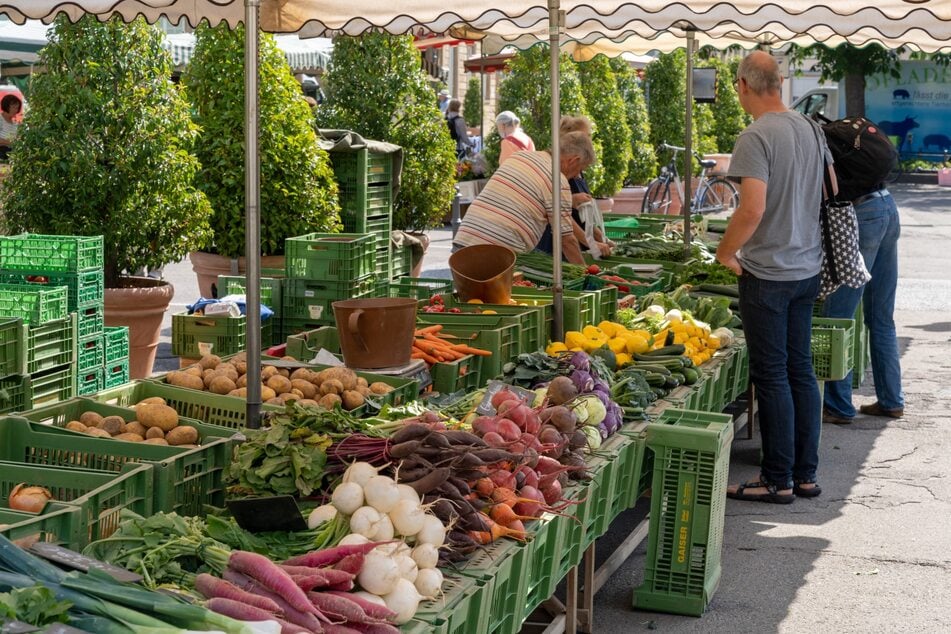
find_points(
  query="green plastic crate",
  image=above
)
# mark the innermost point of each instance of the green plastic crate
(688, 502)
(832, 347)
(101, 496)
(313, 299)
(14, 394)
(293, 327)
(305, 345)
(196, 335)
(58, 523)
(544, 550)
(37, 253)
(116, 339)
(364, 180)
(545, 280)
(462, 374)
(90, 354)
(48, 345)
(458, 610)
(271, 289)
(34, 304)
(606, 303)
(185, 480)
(214, 409)
(534, 320)
(88, 382)
(574, 528)
(579, 306)
(402, 261)
(404, 390)
(84, 289)
(381, 264)
(52, 386)
(499, 335)
(414, 287)
(621, 453)
(502, 569)
(116, 373)
(12, 346)
(330, 257)
(89, 321)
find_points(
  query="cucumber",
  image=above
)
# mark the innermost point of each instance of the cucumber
(690, 376)
(671, 382)
(657, 369)
(674, 349)
(679, 376)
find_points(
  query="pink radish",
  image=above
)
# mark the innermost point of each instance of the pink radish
(351, 564)
(330, 556)
(338, 605)
(270, 575)
(311, 621)
(212, 587)
(244, 612)
(375, 628)
(339, 629)
(373, 610)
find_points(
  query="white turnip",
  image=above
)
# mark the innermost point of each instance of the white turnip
(365, 521)
(321, 514)
(380, 574)
(381, 493)
(359, 472)
(347, 497)
(433, 532)
(429, 582)
(404, 600)
(426, 556)
(407, 518)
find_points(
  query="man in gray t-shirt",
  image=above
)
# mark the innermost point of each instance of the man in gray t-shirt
(772, 242)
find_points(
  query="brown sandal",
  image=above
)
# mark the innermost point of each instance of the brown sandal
(770, 496)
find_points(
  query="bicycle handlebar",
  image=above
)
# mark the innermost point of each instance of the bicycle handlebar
(676, 149)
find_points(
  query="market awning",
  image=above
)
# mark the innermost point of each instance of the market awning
(302, 55)
(488, 63)
(21, 43)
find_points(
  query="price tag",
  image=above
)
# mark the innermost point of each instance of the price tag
(485, 407)
(72, 559)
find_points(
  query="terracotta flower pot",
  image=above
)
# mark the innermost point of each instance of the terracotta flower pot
(139, 304)
(418, 264)
(605, 204)
(208, 266)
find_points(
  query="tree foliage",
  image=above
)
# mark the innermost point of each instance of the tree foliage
(643, 164)
(611, 130)
(298, 191)
(107, 148)
(472, 105)
(526, 91)
(377, 88)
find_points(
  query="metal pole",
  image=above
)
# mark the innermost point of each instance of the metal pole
(688, 142)
(554, 30)
(252, 203)
(482, 84)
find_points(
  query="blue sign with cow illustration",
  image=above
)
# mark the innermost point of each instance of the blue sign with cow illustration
(914, 109)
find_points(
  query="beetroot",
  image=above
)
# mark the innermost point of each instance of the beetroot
(509, 430)
(493, 439)
(552, 493)
(503, 395)
(485, 424)
(530, 475)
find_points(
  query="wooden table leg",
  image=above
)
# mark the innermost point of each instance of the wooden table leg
(571, 602)
(586, 603)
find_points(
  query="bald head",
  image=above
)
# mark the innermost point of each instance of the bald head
(761, 73)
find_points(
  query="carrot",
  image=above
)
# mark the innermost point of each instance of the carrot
(269, 575)
(428, 329)
(436, 340)
(330, 556)
(212, 587)
(504, 515)
(470, 350)
(498, 531)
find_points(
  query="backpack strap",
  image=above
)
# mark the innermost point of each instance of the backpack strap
(516, 142)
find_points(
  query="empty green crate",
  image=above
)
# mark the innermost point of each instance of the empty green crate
(90, 354)
(52, 386)
(293, 327)
(313, 299)
(214, 409)
(502, 568)
(84, 289)
(544, 551)
(414, 287)
(462, 374)
(49, 254)
(381, 264)
(305, 345)
(621, 451)
(14, 394)
(270, 288)
(48, 345)
(688, 502)
(832, 347)
(599, 487)
(33, 304)
(57, 523)
(12, 347)
(534, 321)
(101, 496)
(458, 610)
(331, 257)
(88, 382)
(364, 180)
(574, 528)
(185, 479)
(579, 306)
(498, 335)
(194, 336)
(89, 321)
(115, 373)
(116, 340)
(402, 261)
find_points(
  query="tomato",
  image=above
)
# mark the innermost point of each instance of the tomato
(594, 269)
(436, 299)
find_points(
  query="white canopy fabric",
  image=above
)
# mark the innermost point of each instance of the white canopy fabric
(300, 54)
(21, 42)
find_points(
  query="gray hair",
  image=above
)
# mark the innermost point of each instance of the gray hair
(761, 73)
(575, 124)
(578, 144)
(507, 117)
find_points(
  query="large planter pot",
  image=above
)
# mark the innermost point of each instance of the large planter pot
(629, 201)
(208, 266)
(418, 263)
(606, 205)
(140, 304)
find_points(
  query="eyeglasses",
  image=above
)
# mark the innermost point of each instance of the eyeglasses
(736, 84)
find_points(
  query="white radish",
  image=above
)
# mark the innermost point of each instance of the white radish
(359, 472)
(365, 521)
(384, 529)
(432, 532)
(380, 574)
(408, 493)
(369, 596)
(403, 599)
(426, 556)
(353, 539)
(321, 514)
(381, 493)
(429, 582)
(347, 497)
(408, 568)
(407, 518)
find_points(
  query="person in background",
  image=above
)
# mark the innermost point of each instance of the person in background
(457, 128)
(772, 243)
(514, 139)
(516, 204)
(10, 107)
(443, 100)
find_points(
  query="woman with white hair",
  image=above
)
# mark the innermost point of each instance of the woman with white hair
(514, 138)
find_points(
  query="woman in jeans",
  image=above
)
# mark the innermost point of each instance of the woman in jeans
(879, 229)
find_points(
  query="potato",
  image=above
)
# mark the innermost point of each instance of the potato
(242, 381)
(296, 392)
(155, 441)
(183, 379)
(362, 382)
(112, 424)
(227, 370)
(306, 388)
(154, 432)
(129, 437)
(352, 399)
(154, 415)
(267, 393)
(154, 399)
(241, 392)
(274, 401)
(240, 366)
(135, 427)
(319, 377)
(182, 435)
(287, 396)
(300, 373)
(267, 372)
(288, 357)
(99, 433)
(380, 388)
(75, 425)
(328, 401)
(207, 376)
(346, 376)
(284, 372)
(90, 419)
(221, 384)
(307, 402)
(209, 361)
(331, 386)
(240, 357)
(194, 370)
(279, 384)
(364, 390)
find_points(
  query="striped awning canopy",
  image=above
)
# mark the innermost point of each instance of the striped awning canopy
(302, 55)
(21, 43)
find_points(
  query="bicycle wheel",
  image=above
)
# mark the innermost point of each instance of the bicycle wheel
(656, 198)
(718, 194)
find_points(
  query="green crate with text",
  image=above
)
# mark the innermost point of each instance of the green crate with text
(37, 253)
(312, 300)
(116, 342)
(330, 257)
(34, 304)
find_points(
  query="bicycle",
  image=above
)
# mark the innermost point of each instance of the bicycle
(713, 194)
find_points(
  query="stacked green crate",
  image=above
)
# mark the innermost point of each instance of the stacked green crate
(116, 356)
(365, 180)
(323, 268)
(271, 289)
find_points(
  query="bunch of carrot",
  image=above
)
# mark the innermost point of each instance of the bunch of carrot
(434, 347)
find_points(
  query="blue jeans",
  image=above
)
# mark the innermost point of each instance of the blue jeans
(879, 229)
(777, 324)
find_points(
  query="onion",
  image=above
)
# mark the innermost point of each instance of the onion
(429, 582)
(28, 498)
(347, 497)
(321, 514)
(403, 599)
(365, 521)
(433, 532)
(359, 472)
(380, 575)
(407, 518)
(426, 556)
(381, 493)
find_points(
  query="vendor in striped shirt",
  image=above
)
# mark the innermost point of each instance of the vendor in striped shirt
(515, 206)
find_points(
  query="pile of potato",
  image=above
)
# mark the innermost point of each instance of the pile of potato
(156, 424)
(326, 388)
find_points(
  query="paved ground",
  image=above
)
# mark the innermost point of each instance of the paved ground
(873, 554)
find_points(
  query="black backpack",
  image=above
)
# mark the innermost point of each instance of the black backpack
(863, 155)
(451, 122)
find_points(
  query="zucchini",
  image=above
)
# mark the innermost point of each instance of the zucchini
(674, 349)
(690, 376)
